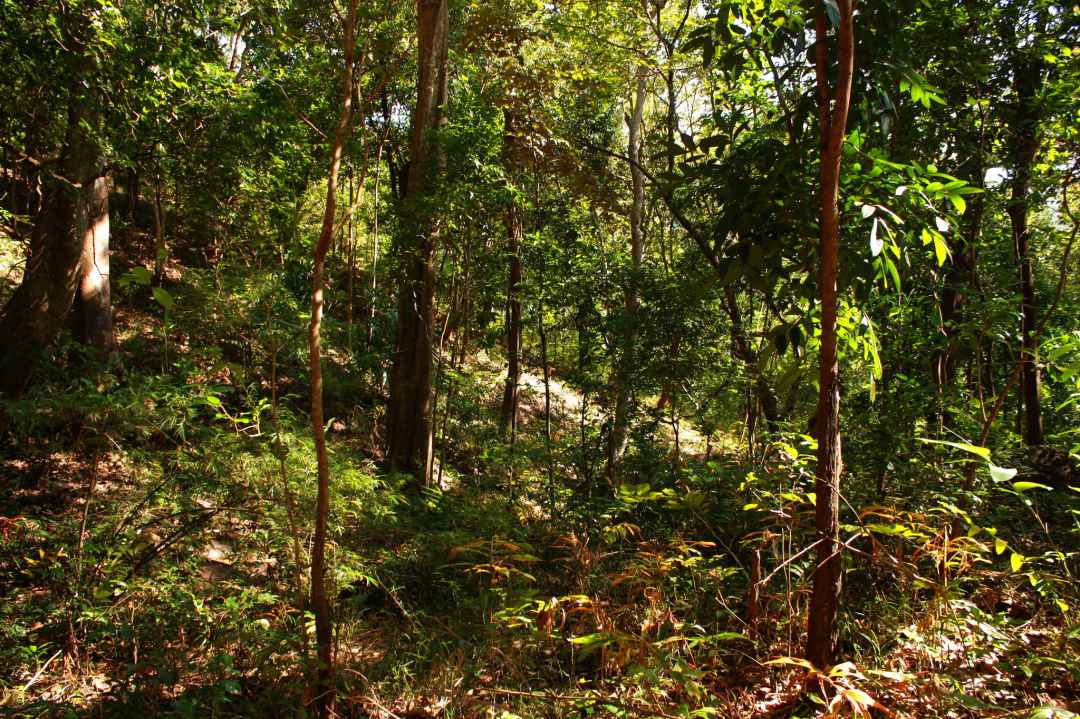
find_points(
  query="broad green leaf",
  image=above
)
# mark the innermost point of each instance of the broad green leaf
(976, 450)
(1025, 486)
(941, 250)
(163, 298)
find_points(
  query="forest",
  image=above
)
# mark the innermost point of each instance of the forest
(522, 359)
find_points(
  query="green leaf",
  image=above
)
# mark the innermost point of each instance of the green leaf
(980, 451)
(163, 298)
(940, 249)
(1025, 486)
(1016, 561)
(137, 275)
(588, 640)
(1000, 546)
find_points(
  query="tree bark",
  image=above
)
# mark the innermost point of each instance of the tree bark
(320, 605)
(161, 250)
(1027, 80)
(410, 408)
(833, 105)
(509, 410)
(93, 301)
(621, 420)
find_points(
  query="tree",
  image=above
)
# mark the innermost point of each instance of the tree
(833, 102)
(1027, 72)
(509, 408)
(69, 245)
(320, 605)
(625, 361)
(410, 407)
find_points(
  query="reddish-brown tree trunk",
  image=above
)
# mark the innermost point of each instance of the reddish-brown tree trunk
(320, 604)
(833, 107)
(410, 408)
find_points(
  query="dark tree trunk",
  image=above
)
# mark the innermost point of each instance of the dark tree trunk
(410, 408)
(132, 193)
(509, 410)
(833, 107)
(1027, 81)
(161, 250)
(959, 283)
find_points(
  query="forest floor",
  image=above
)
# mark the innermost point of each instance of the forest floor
(154, 535)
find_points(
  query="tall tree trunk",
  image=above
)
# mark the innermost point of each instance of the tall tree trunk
(509, 409)
(37, 310)
(161, 250)
(1027, 81)
(624, 370)
(132, 192)
(375, 243)
(93, 301)
(744, 351)
(960, 277)
(320, 604)
(410, 408)
(833, 107)
(351, 256)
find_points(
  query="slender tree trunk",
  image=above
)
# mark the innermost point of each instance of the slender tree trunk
(375, 243)
(960, 280)
(351, 255)
(547, 410)
(833, 107)
(509, 409)
(410, 408)
(161, 250)
(624, 370)
(132, 194)
(1027, 79)
(320, 604)
(744, 351)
